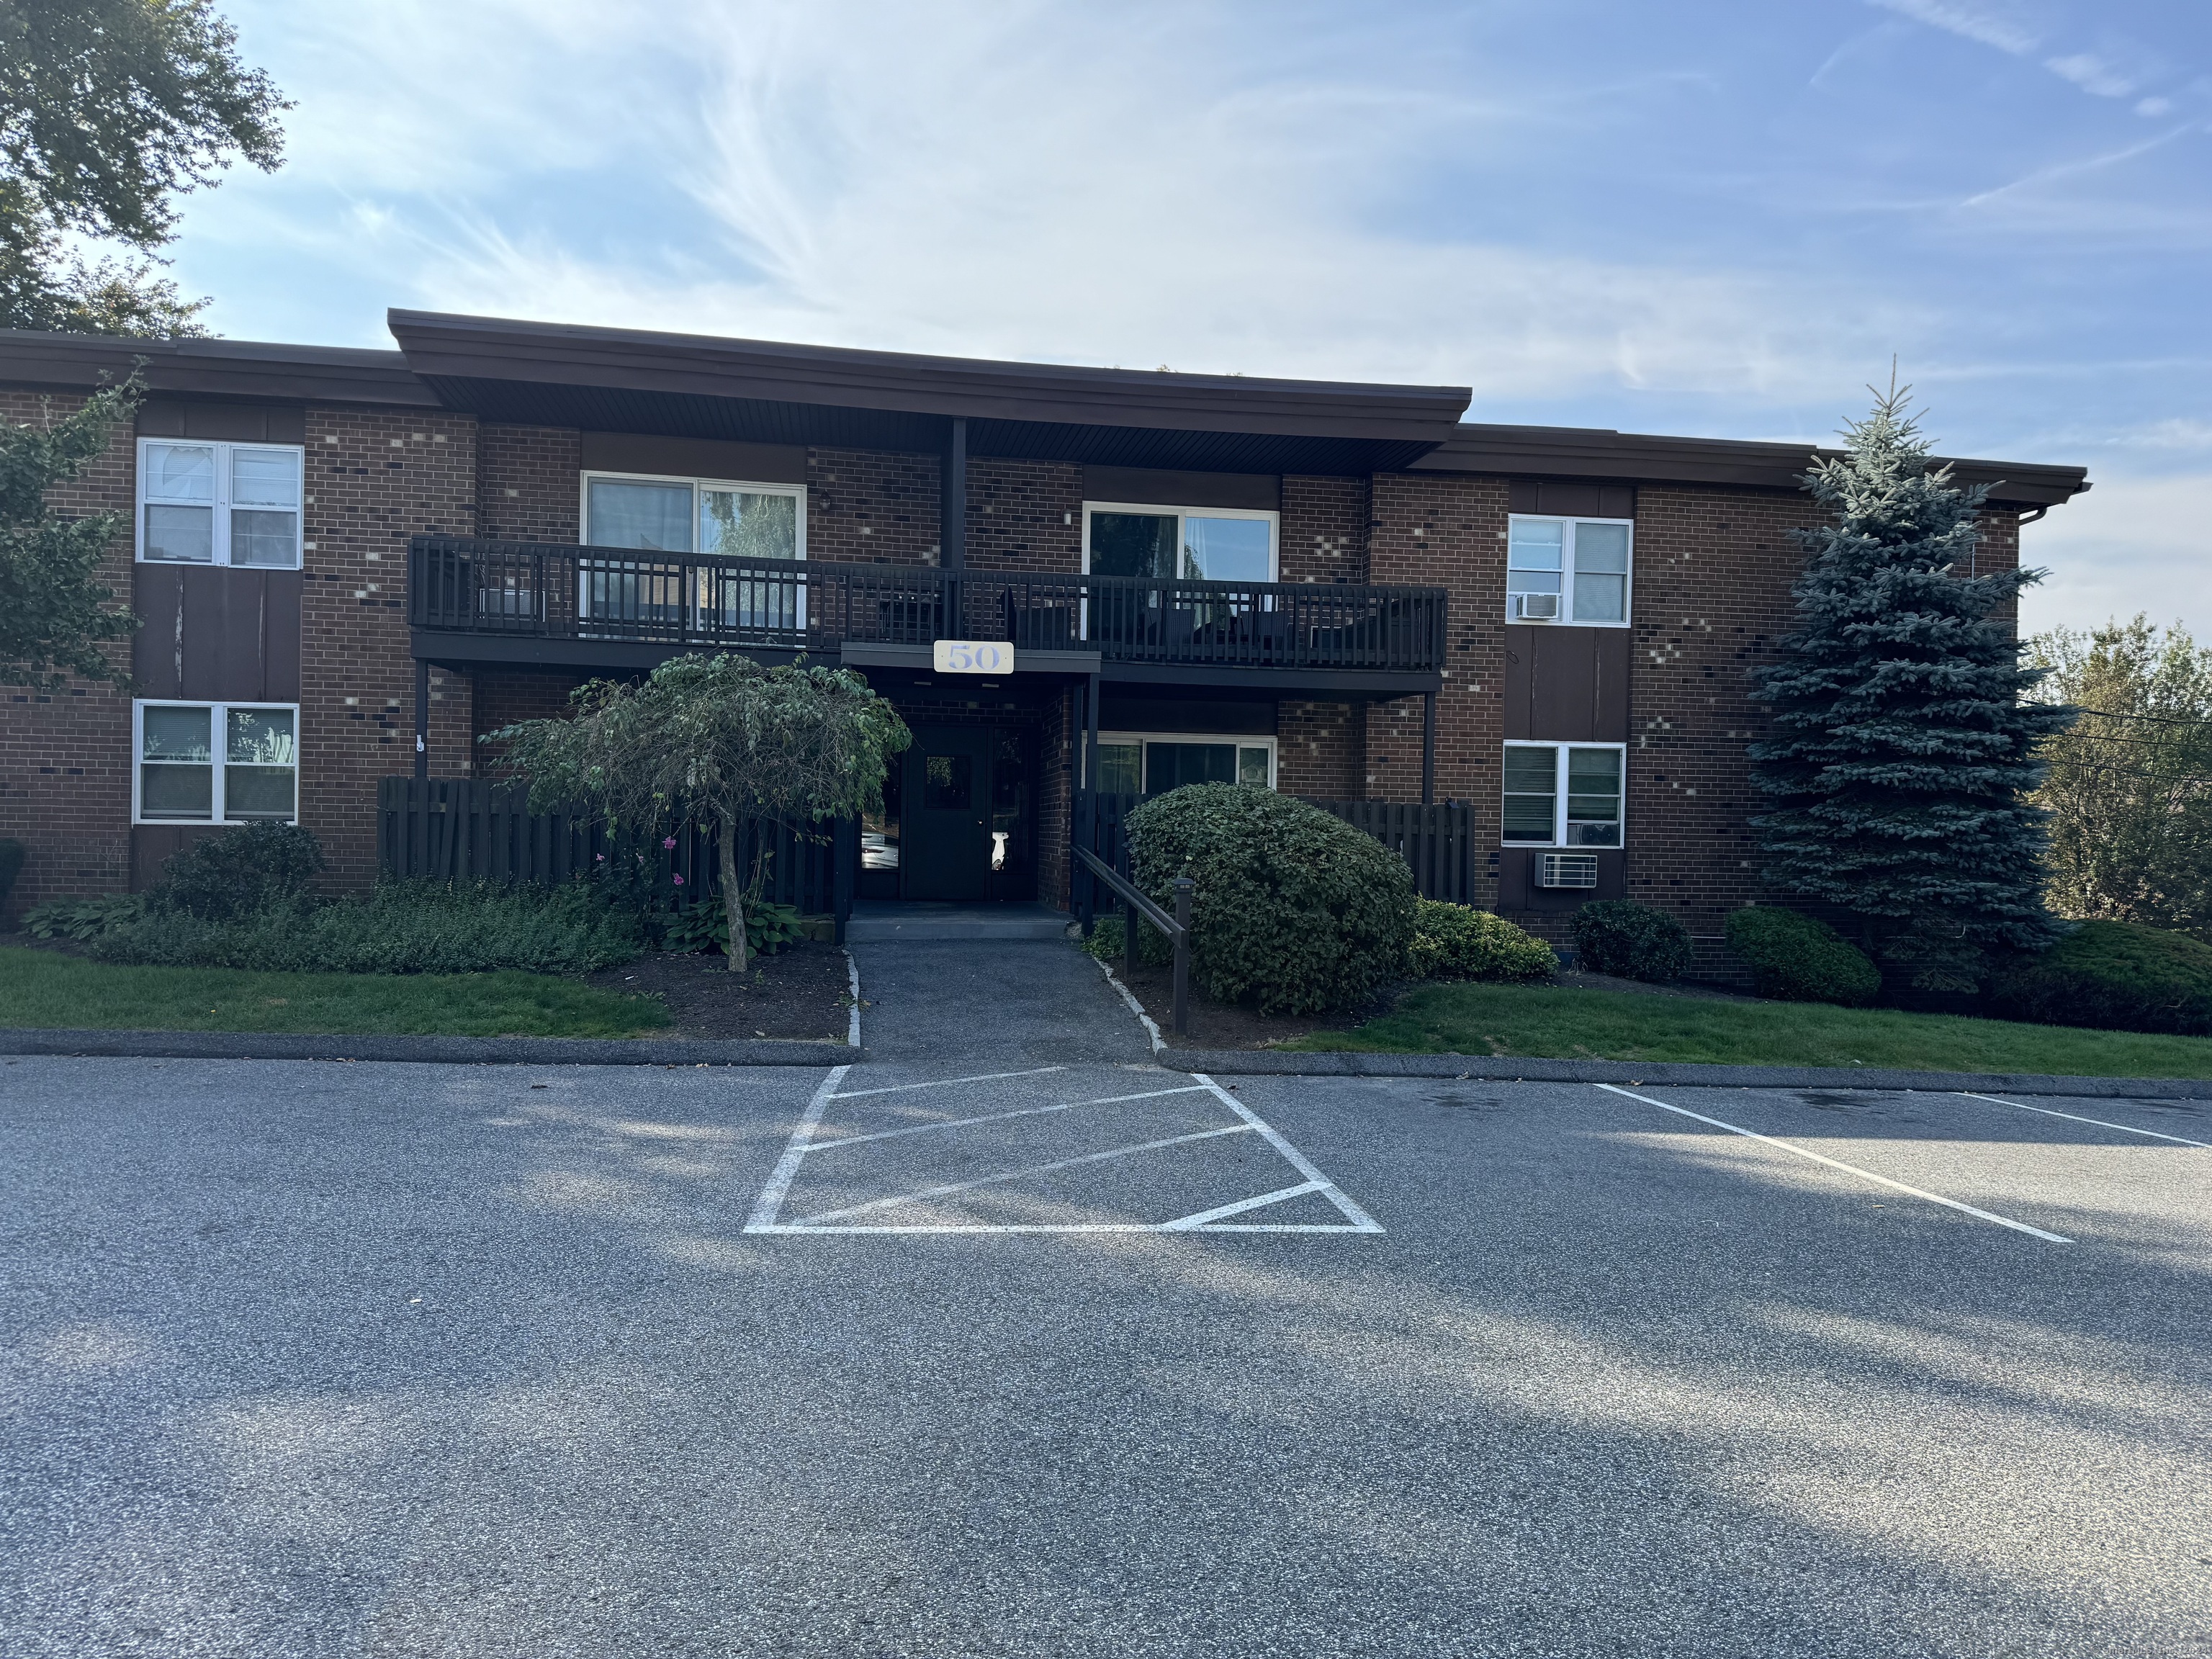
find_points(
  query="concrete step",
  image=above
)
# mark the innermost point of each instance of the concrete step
(883, 922)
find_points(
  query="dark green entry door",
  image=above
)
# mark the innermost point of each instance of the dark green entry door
(946, 852)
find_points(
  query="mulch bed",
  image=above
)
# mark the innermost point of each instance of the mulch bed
(1229, 1025)
(803, 991)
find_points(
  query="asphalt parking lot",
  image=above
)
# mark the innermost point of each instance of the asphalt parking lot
(312, 1358)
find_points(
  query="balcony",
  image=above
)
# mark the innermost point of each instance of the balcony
(481, 601)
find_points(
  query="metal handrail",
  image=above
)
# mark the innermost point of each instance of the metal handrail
(551, 591)
(1175, 927)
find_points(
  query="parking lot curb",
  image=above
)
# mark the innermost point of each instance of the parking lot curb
(1266, 1063)
(437, 1051)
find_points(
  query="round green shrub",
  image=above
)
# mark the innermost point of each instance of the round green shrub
(239, 872)
(1294, 911)
(1631, 941)
(2117, 976)
(1453, 941)
(1795, 957)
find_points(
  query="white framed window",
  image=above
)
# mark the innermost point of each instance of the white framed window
(1569, 570)
(1153, 762)
(214, 763)
(722, 517)
(1189, 543)
(1564, 794)
(219, 504)
(695, 515)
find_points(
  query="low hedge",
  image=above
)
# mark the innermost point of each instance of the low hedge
(1453, 941)
(400, 927)
(2114, 974)
(1631, 941)
(1795, 957)
(1294, 911)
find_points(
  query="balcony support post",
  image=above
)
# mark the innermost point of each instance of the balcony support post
(421, 718)
(952, 501)
(1428, 748)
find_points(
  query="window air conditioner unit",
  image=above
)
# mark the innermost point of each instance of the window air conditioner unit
(1566, 869)
(1536, 607)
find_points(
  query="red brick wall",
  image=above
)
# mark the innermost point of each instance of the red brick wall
(1445, 530)
(1321, 750)
(1025, 515)
(872, 507)
(1323, 532)
(65, 760)
(528, 482)
(374, 479)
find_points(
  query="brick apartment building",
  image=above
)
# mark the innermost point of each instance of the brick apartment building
(351, 564)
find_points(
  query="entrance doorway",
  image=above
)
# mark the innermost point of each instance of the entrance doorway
(967, 811)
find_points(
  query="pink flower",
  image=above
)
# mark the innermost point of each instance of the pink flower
(669, 842)
(603, 858)
(680, 881)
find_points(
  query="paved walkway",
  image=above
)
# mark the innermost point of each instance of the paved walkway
(980, 1006)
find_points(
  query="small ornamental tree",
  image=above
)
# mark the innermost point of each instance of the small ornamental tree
(1904, 748)
(720, 740)
(53, 611)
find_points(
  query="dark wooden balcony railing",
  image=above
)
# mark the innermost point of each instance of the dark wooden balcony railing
(699, 601)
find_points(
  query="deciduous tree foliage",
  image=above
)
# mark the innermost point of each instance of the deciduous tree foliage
(53, 611)
(109, 110)
(2130, 789)
(720, 739)
(1904, 749)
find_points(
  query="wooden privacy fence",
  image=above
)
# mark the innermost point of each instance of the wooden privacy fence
(483, 829)
(1438, 842)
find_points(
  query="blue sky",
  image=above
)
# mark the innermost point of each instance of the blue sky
(1710, 217)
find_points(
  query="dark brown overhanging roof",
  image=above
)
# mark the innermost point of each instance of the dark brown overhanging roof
(1568, 451)
(679, 385)
(221, 368)
(772, 392)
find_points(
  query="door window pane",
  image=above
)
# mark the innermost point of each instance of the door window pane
(1226, 550)
(949, 782)
(1171, 765)
(647, 515)
(1531, 794)
(748, 523)
(1133, 544)
(1251, 767)
(184, 535)
(1120, 769)
(180, 472)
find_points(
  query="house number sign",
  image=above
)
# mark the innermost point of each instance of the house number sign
(975, 657)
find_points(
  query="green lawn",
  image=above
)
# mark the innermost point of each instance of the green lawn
(1552, 1023)
(44, 988)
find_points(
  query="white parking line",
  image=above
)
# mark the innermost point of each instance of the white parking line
(771, 1196)
(994, 1117)
(947, 1082)
(953, 1186)
(2124, 1128)
(1837, 1164)
(1183, 1223)
(1360, 1220)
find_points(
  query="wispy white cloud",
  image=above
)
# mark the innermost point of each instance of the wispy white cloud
(2007, 27)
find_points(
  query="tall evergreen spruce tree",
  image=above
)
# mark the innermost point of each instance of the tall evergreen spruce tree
(1904, 748)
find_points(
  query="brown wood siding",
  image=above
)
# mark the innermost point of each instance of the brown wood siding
(244, 423)
(1517, 890)
(694, 458)
(1567, 685)
(231, 636)
(1156, 486)
(1571, 500)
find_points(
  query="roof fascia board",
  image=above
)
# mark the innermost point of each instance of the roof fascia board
(1572, 451)
(234, 368)
(489, 348)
